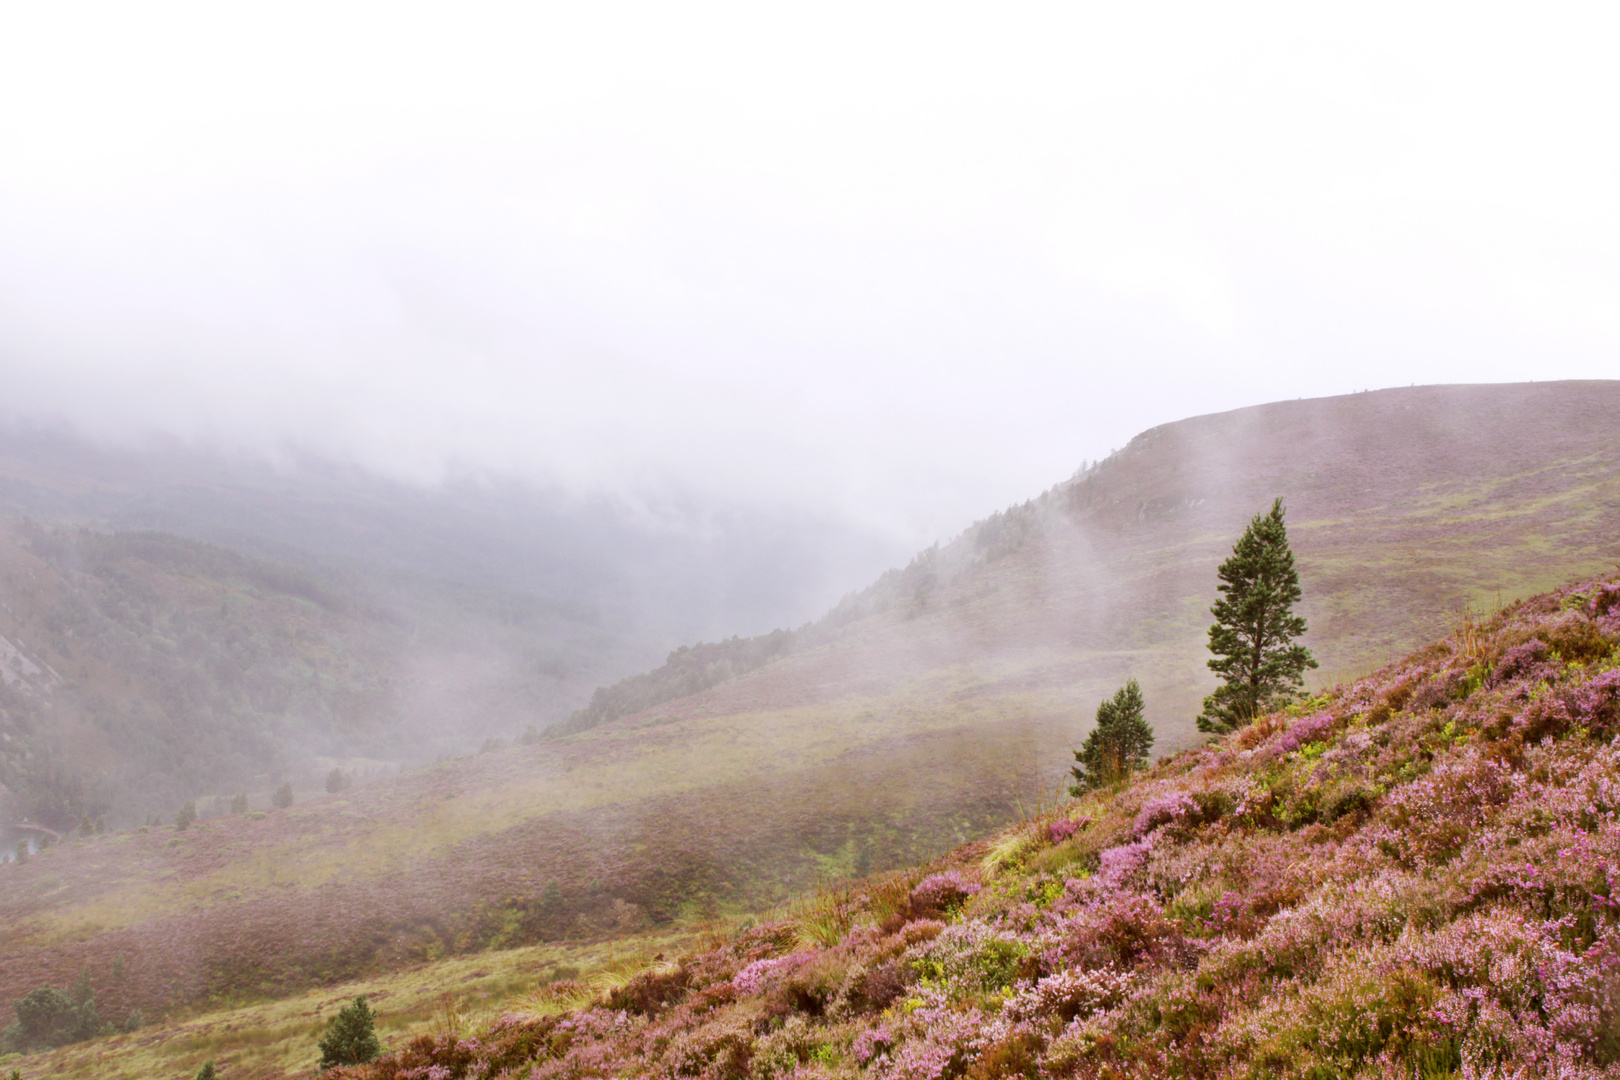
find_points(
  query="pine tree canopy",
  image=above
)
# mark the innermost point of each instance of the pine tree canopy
(351, 1036)
(1117, 745)
(1252, 638)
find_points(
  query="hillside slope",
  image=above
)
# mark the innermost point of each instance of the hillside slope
(598, 588)
(141, 670)
(1414, 874)
(1425, 500)
(327, 615)
(947, 692)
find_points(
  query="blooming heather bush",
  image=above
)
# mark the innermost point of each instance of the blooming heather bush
(941, 892)
(762, 973)
(1120, 867)
(1165, 809)
(1063, 828)
(972, 956)
(1313, 728)
(1419, 879)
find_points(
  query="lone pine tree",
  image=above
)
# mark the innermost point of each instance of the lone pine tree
(351, 1036)
(1256, 655)
(1118, 745)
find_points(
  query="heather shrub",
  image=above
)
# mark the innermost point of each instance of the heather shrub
(722, 1048)
(941, 893)
(1165, 809)
(1520, 660)
(780, 1053)
(1314, 728)
(1438, 691)
(651, 991)
(1068, 994)
(764, 973)
(809, 988)
(1578, 640)
(1063, 828)
(874, 989)
(1123, 866)
(970, 956)
(872, 1044)
(1353, 1016)
(1415, 876)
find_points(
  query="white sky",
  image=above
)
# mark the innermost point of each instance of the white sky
(901, 263)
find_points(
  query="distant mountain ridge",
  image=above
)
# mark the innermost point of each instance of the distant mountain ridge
(1193, 481)
(455, 615)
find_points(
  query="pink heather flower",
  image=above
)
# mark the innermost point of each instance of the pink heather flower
(1164, 809)
(872, 1042)
(939, 891)
(1063, 828)
(756, 976)
(1519, 659)
(1310, 729)
(1117, 865)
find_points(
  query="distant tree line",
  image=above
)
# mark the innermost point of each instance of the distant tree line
(189, 695)
(48, 1018)
(690, 669)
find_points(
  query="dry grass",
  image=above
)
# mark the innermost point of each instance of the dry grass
(277, 1039)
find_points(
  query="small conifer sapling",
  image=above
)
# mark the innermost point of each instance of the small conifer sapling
(1253, 637)
(351, 1036)
(1118, 744)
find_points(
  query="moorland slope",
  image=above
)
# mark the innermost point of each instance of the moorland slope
(926, 707)
(1413, 874)
(141, 670)
(443, 615)
(1424, 500)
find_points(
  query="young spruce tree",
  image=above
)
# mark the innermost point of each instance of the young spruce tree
(1117, 746)
(1253, 636)
(351, 1036)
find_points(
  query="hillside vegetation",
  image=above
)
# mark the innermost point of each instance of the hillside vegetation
(142, 670)
(369, 622)
(1413, 874)
(934, 703)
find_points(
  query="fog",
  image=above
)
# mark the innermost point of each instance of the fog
(898, 265)
(386, 391)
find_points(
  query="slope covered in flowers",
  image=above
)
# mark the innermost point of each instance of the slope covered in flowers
(1413, 875)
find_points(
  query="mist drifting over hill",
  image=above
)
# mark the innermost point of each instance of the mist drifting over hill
(491, 496)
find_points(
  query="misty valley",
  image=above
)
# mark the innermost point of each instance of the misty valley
(299, 769)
